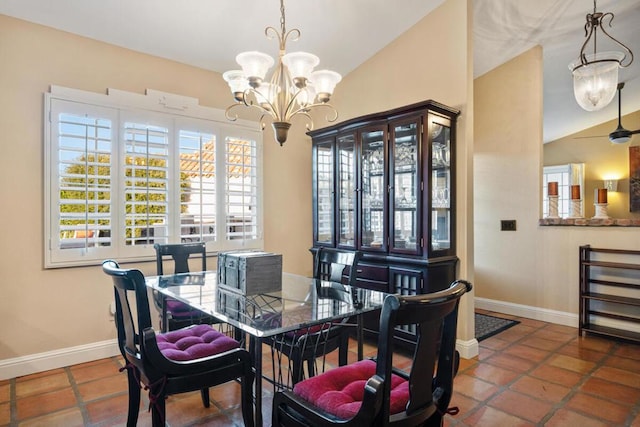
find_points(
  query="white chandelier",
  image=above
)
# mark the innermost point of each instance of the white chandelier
(293, 89)
(595, 75)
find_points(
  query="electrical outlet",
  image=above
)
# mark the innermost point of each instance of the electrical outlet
(508, 225)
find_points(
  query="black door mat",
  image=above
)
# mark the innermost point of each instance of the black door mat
(488, 326)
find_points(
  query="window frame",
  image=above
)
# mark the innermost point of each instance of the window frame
(159, 109)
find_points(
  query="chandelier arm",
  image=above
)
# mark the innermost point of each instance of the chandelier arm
(588, 32)
(305, 110)
(630, 54)
(234, 117)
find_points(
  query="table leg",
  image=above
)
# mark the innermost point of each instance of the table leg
(360, 337)
(256, 347)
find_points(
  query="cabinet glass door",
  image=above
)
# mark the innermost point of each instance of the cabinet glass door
(405, 179)
(373, 189)
(346, 190)
(440, 187)
(324, 193)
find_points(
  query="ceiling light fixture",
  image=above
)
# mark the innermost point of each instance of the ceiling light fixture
(293, 89)
(595, 75)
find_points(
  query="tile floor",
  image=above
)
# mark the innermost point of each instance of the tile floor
(534, 374)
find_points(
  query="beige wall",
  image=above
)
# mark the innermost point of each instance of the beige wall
(432, 60)
(533, 271)
(47, 310)
(602, 160)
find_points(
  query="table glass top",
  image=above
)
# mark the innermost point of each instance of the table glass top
(301, 303)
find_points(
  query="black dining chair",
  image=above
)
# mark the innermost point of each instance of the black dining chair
(184, 360)
(312, 344)
(372, 392)
(173, 313)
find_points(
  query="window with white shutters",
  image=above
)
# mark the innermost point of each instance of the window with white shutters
(119, 179)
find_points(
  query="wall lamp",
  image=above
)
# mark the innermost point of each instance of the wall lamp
(611, 184)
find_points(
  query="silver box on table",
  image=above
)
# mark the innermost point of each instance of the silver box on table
(250, 272)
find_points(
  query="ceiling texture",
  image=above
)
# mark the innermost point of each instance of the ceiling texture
(345, 33)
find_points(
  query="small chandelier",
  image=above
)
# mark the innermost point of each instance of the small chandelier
(595, 75)
(293, 89)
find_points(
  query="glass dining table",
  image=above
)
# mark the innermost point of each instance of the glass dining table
(302, 303)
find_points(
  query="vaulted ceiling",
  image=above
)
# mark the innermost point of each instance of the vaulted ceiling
(345, 33)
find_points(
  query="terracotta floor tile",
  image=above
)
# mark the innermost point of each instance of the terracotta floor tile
(95, 370)
(40, 404)
(556, 375)
(548, 334)
(490, 417)
(492, 374)
(465, 404)
(39, 375)
(37, 384)
(619, 376)
(526, 352)
(510, 362)
(521, 405)
(596, 343)
(5, 413)
(566, 418)
(574, 349)
(542, 343)
(494, 343)
(631, 351)
(615, 392)
(532, 322)
(5, 392)
(71, 417)
(467, 364)
(636, 421)
(103, 387)
(562, 329)
(599, 408)
(474, 387)
(111, 409)
(485, 353)
(183, 409)
(571, 363)
(631, 365)
(540, 389)
(227, 395)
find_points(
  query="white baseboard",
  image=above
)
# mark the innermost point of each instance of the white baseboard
(468, 349)
(536, 313)
(19, 366)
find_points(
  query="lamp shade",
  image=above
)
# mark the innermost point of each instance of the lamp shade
(236, 80)
(254, 64)
(300, 64)
(595, 82)
(325, 82)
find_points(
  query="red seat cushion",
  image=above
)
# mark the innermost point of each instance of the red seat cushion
(340, 391)
(194, 342)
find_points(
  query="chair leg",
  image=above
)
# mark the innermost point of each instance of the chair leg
(296, 374)
(158, 412)
(246, 391)
(311, 367)
(343, 349)
(134, 398)
(204, 393)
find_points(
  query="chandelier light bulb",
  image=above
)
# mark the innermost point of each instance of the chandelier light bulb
(325, 82)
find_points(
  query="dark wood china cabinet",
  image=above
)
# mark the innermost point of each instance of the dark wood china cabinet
(384, 184)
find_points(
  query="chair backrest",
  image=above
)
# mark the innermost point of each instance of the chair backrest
(130, 297)
(330, 264)
(180, 253)
(436, 318)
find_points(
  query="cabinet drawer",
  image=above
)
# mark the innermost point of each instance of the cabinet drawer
(375, 273)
